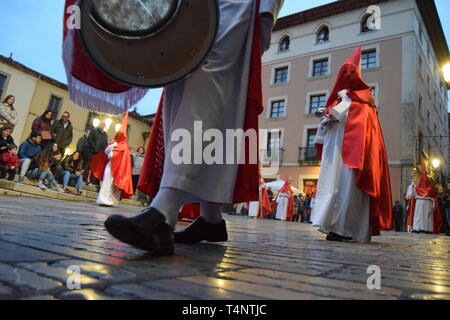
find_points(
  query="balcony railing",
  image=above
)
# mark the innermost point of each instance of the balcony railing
(271, 155)
(308, 156)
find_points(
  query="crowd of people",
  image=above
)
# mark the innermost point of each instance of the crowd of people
(43, 156)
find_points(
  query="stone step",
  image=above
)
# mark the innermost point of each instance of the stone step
(29, 187)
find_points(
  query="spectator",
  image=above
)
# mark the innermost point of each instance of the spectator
(43, 126)
(298, 206)
(442, 199)
(62, 132)
(6, 139)
(40, 169)
(56, 166)
(9, 163)
(82, 147)
(8, 114)
(397, 212)
(73, 169)
(307, 208)
(138, 160)
(28, 150)
(97, 142)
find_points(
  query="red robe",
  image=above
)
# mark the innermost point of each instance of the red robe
(286, 188)
(363, 147)
(425, 189)
(247, 183)
(120, 163)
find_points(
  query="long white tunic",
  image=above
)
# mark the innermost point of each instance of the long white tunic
(282, 207)
(423, 211)
(215, 94)
(340, 206)
(109, 193)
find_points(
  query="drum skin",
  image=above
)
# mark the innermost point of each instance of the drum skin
(168, 54)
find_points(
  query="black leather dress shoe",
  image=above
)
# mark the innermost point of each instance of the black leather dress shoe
(200, 230)
(336, 237)
(147, 231)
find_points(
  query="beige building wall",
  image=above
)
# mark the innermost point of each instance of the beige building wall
(33, 95)
(396, 78)
(22, 87)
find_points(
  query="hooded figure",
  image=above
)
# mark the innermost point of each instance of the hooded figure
(353, 198)
(423, 211)
(113, 167)
(285, 199)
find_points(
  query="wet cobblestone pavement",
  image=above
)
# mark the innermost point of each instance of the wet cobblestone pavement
(40, 240)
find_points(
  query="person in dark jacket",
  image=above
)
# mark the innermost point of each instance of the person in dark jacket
(62, 132)
(97, 142)
(43, 126)
(6, 139)
(73, 169)
(397, 212)
(442, 199)
(82, 147)
(56, 165)
(28, 150)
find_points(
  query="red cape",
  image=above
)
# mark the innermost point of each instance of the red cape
(247, 183)
(425, 189)
(120, 163)
(363, 147)
(286, 188)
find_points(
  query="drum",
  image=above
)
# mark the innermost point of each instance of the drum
(148, 43)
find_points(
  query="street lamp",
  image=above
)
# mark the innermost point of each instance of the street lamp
(436, 163)
(95, 122)
(446, 70)
(67, 151)
(108, 122)
(118, 126)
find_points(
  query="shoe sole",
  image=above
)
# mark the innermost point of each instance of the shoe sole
(179, 241)
(127, 232)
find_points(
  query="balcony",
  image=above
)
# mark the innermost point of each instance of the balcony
(270, 156)
(307, 156)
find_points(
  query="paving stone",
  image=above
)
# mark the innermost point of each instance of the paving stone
(22, 278)
(87, 294)
(99, 271)
(5, 291)
(144, 292)
(40, 297)
(56, 273)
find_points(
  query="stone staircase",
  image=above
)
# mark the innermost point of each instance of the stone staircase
(29, 189)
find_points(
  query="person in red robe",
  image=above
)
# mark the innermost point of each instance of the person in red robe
(232, 74)
(353, 196)
(285, 209)
(423, 210)
(113, 167)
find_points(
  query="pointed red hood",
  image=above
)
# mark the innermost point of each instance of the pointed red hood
(286, 188)
(121, 135)
(349, 77)
(424, 188)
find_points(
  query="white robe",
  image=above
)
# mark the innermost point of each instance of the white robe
(216, 94)
(282, 207)
(340, 206)
(109, 193)
(423, 211)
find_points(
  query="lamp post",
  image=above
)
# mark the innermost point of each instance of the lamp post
(446, 71)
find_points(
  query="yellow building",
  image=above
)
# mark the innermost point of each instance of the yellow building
(36, 93)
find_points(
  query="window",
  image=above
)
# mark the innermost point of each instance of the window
(420, 104)
(89, 122)
(281, 75)
(273, 142)
(277, 109)
(2, 85)
(420, 32)
(311, 136)
(420, 65)
(285, 44)
(369, 59)
(54, 105)
(373, 90)
(323, 35)
(310, 186)
(316, 102)
(320, 68)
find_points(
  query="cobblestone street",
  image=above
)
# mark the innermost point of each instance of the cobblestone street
(264, 259)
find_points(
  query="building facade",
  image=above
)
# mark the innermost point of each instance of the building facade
(404, 50)
(36, 93)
